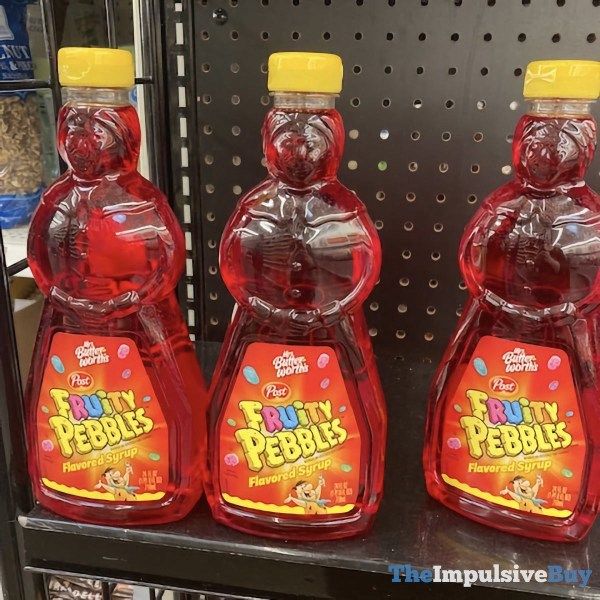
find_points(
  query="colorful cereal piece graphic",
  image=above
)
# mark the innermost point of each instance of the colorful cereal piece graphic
(567, 473)
(45, 409)
(323, 360)
(126, 374)
(554, 362)
(231, 459)
(346, 468)
(480, 366)
(119, 218)
(57, 364)
(155, 456)
(231, 422)
(454, 443)
(47, 446)
(146, 398)
(250, 375)
(325, 383)
(569, 413)
(123, 351)
(553, 385)
(343, 408)
(458, 408)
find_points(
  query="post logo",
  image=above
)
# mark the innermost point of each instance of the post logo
(503, 385)
(276, 390)
(80, 380)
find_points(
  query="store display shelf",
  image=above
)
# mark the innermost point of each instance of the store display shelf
(198, 554)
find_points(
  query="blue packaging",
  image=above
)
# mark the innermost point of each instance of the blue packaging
(15, 55)
(15, 64)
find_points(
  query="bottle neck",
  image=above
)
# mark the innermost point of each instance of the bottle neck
(560, 107)
(303, 101)
(96, 96)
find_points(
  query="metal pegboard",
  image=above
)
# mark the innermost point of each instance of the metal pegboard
(432, 92)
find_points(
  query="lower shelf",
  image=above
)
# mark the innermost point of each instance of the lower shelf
(198, 554)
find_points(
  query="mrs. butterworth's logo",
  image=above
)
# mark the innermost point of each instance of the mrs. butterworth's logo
(287, 363)
(518, 361)
(89, 354)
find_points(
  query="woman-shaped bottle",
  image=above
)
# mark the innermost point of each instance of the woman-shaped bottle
(115, 396)
(512, 429)
(297, 421)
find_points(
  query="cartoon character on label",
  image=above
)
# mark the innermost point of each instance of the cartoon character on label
(525, 493)
(114, 483)
(309, 497)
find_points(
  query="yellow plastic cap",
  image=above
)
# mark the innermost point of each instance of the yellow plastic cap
(95, 67)
(305, 72)
(562, 79)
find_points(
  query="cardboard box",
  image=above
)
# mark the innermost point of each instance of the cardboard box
(27, 304)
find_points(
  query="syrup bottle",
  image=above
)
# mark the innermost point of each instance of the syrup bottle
(115, 395)
(513, 423)
(297, 421)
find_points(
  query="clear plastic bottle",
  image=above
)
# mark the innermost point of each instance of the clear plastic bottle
(115, 395)
(512, 429)
(297, 421)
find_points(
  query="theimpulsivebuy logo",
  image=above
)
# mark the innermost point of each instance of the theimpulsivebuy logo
(406, 573)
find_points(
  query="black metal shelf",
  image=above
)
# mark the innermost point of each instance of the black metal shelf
(23, 85)
(198, 554)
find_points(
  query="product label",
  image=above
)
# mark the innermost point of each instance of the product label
(101, 432)
(15, 55)
(288, 438)
(512, 432)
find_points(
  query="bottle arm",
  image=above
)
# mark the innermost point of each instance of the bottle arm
(152, 291)
(363, 240)
(167, 243)
(172, 257)
(293, 319)
(367, 261)
(37, 255)
(157, 286)
(46, 216)
(372, 267)
(472, 246)
(261, 309)
(161, 278)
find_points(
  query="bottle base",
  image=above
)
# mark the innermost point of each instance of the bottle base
(170, 509)
(357, 523)
(523, 524)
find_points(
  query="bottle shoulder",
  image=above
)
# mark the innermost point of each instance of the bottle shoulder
(515, 197)
(274, 200)
(327, 216)
(513, 210)
(128, 194)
